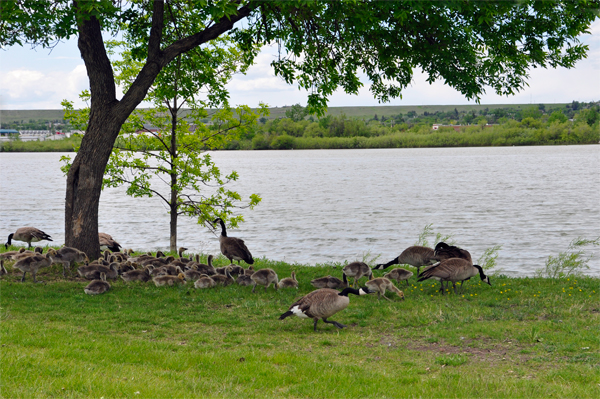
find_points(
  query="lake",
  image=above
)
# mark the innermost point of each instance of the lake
(335, 205)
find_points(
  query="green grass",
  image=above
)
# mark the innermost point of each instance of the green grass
(64, 145)
(523, 337)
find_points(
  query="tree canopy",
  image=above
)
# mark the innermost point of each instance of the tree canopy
(324, 45)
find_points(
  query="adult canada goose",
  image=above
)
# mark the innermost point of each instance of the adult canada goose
(33, 263)
(357, 270)
(330, 282)
(142, 275)
(233, 248)
(169, 280)
(416, 256)
(107, 242)
(204, 281)
(288, 282)
(264, 277)
(323, 303)
(444, 251)
(97, 287)
(68, 255)
(28, 235)
(23, 253)
(380, 285)
(453, 270)
(2, 268)
(224, 280)
(399, 275)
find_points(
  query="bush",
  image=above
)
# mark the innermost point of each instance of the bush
(283, 142)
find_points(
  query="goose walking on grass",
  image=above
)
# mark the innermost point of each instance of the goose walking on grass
(67, 256)
(34, 263)
(416, 256)
(264, 277)
(454, 270)
(28, 235)
(322, 304)
(233, 248)
(381, 285)
(357, 270)
(97, 287)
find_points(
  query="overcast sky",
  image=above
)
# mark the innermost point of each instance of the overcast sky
(40, 79)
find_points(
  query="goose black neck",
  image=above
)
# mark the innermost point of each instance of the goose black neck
(349, 290)
(223, 230)
(481, 274)
(10, 236)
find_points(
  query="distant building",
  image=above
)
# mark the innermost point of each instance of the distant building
(8, 134)
(33, 135)
(456, 128)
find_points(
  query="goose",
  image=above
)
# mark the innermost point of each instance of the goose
(33, 263)
(10, 254)
(249, 271)
(67, 255)
(142, 275)
(264, 277)
(206, 269)
(244, 280)
(107, 242)
(444, 251)
(357, 270)
(232, 247)
(28, 235)
(416, 256)
(453, 270)
(204, 281)
(111, 272)
(330, 282)
(380, 285)
(97, 287)
(23, 253)
(193, 274)
(2, 268)
(288, 282)
(125, 267)
(169, 280)
(323, 303)
(223, 280)
(399, 275)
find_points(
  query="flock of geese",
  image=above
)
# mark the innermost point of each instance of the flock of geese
(444, 263)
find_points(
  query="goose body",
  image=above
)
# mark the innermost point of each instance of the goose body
(288, 282)
(97, 287)
(444, 251)
(28, 235)
(233, 248)
(10, 254)
(330, 282)
(323, 303)
(107, 242)
(68, 255)
(142, 275)
(224, 280)
(357, 270)
(399, 275)
(169, 280)
(264, 277)
(208, 269)
(33, 263)
(244, 280)
(204, 281)
(453, 270)
(23, 253)
(416, 256)
(92, 272)
(381, 285)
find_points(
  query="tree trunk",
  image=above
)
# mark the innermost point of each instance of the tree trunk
(174, 192)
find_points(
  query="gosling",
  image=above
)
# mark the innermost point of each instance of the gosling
(264, 277)
(169, 280)
(288, 282)
(97, 287)
(399, 275)
(380, 285)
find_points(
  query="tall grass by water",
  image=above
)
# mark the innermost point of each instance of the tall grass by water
(522, 337)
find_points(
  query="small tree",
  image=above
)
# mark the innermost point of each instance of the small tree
(296, 113)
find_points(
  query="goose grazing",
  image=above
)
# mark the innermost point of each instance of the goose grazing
(204, 281)
(416, 256)
(357, 270)
(68, 255)
(233, 248)
(288, 282)
(264, 277)
(399, 275)
(330, 282)
(453, 270)
(33, 263)
(28, 235)
(142, 275)
(444, 251)
(107, 242)
(323, 303)
(97, 287)
(224, 280)
(380, 285)
(2, 268)
(169, 280)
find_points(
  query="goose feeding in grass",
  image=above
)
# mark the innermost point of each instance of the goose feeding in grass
(28, 235)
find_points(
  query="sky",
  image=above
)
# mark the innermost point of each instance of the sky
(37, 78)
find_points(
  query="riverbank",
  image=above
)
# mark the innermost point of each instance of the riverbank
(522, 337)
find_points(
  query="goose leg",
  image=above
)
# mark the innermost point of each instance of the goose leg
(315, 325)
(386, 297)
(253, 286)
(23, 278)
(454, 285)
(335, 323)
(406, 282)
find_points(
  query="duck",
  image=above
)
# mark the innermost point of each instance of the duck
(399, 274)
(322, 304)
(415, 255)
(233, 248)
(264, 277)
(28, 235)
(204, 281)
(169, 280)
(288, 282)
(67, 255)
(223, 280)
(33, 263)
(330, 282)
(453, 270)
(107, 242)
(142, 275)
(380, 285)
(2, 268)
(97, 287)
(357, 270)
